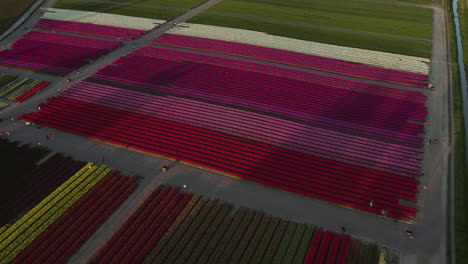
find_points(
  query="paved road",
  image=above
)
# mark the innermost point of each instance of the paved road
(427, 247)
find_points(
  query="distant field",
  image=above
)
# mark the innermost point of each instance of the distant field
(396, 20)
(392, 45)
(130, 10)
(11, 10)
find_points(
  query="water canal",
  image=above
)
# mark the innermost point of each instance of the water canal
(461, 66)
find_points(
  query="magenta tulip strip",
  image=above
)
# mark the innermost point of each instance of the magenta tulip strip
(89, 29)
(295, 58)
(54, 53)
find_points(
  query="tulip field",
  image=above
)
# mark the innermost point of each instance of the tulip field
(54, 53)
(178, 227)
(362, 56)
(69, 200)
(41, 181)
(319, 107)
(296, 59)
(59, 224)
(341, 141)
(19, 88)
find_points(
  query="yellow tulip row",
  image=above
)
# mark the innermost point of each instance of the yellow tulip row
(4, 228)
(21, 234)
(38, 207)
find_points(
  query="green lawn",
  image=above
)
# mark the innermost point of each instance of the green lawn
(388, 19)
(129, 10)
(11, 10)
(414, 48)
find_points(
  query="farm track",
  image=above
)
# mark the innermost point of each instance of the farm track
(428, 246)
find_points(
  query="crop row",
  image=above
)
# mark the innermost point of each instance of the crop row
(89, 29)
(18, 88)
(294, 58)
(37, 51)
(67, 234)
(20, 235)
(205, 230)
(259, 127)
(104, 19)
(37, 184)
(213, 147)
(364, 56)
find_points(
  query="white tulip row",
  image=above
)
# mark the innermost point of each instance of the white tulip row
(369, 57)
(102, 19)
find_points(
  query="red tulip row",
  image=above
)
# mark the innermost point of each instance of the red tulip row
(328, 248)
(225, 153)
(27, 94)
(135, 239)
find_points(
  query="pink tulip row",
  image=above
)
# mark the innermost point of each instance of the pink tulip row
(334, 103)
(264, 128)
(66, 235)
(52, 53)
(295, 58)
(89, 29)
(277, 167)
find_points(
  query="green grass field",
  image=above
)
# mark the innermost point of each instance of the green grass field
(407, 47)
(365, 17)
(130, 10)
(405, 21)
(11, 10)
